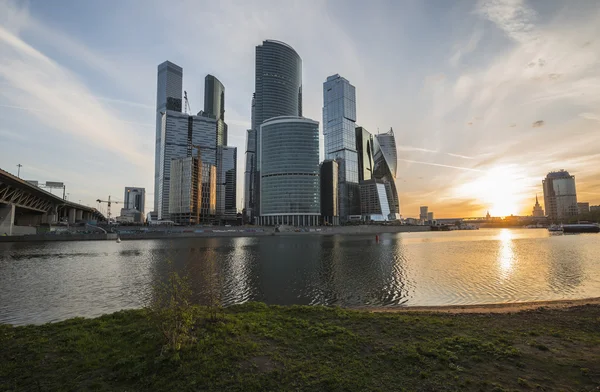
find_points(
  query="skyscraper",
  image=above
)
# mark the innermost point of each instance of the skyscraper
(249, 174)
(226, 182)
(214, 106)
(339, 117)
(168, 96)
(181, 134)
(560, 196)
(329, 195)
(364, 149)
(538, 211)
(385, 165)
(289, 171)
(278, 92)
(135, 199)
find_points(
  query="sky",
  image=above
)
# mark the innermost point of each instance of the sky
(485, 97)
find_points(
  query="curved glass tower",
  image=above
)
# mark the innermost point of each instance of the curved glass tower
(278, 92)
(289, 171)
(385, 165)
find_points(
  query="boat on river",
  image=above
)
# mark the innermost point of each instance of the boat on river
(581, 228)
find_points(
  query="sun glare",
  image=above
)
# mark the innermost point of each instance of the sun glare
(498, 189)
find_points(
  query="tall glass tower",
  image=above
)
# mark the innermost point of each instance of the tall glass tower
(169, 88)
(214, 106)
(339, 117)
(278, 92)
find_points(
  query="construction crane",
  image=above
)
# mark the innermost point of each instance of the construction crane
(108, 203)
(187, 104)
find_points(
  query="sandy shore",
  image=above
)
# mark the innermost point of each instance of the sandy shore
(490, 308)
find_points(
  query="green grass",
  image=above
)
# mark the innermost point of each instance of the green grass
(260, 348)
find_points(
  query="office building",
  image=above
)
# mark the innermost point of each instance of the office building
(329, 195)
(249, 175)
(594, 208)
(278, 92)
(289, 171)
(560, 196)
(192, 191)
(339, 129)
(183, 136)
(423, 213)
(583, 207)
(168, 97)
(538, 211)
(214, 106)
(385, 165)
(364, 150)
(135, 199)
(430, 217)
(374, 203)
(226, 183)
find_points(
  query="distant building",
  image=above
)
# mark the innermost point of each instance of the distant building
(423, 214)
(134, 199)
(560, 196)
(168, 97)
(227, 183)
(288, 162)
(364, 149)
(430, 217)
(130, 216)
(385, 165)
(583, 207)
(374, 202)
(594, 208)
(329, 192)
(339, 117)
(538, 211)
(181, 133)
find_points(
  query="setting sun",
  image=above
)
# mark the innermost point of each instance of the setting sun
(499, 189)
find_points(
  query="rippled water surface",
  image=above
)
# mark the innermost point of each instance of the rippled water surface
(42, 282)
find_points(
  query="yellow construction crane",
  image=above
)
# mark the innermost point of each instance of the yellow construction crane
(108, 203)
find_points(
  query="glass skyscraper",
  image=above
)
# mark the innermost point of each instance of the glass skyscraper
(168, 96)
(289, 171)
(214, 106)
(339, 117)
(385, 165)
(560, 196)
(278, 92)
(226, 182)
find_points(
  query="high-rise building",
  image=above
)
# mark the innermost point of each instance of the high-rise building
(168, 97)
(135, 199)
(184, 190)
(192, 196)
(560, 196)
(278, 92)
(583, 207)
(385, 165)
(423, 213)
(214, 106)
(249, 175)
(226, 183)
(329, 195)
(364, 149)
(374, 203)
(181, 135)
(339, 117)
(289, 171)
(538, 211)
(430, 216)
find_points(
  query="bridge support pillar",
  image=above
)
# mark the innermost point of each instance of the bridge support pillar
(79, 215)
(7, 218)
(71, 215)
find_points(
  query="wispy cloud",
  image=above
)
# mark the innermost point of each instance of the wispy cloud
(441, 165)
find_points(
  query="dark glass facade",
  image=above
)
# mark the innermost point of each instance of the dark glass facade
(329, 192)
(214, 106)
(385, 163)
(364, 148)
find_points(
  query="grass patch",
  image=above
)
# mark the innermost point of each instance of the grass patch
(254, 347)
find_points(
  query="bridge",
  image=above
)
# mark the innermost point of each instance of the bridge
(24, 206)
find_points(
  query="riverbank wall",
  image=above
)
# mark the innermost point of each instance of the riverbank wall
(136, 233)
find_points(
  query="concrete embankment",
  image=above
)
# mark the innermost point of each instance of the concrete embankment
(136, 233)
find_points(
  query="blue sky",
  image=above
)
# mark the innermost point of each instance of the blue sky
(485, 97)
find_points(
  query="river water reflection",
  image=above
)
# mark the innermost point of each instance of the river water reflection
(41, 282)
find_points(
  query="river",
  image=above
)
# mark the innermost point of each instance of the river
(52, 281)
